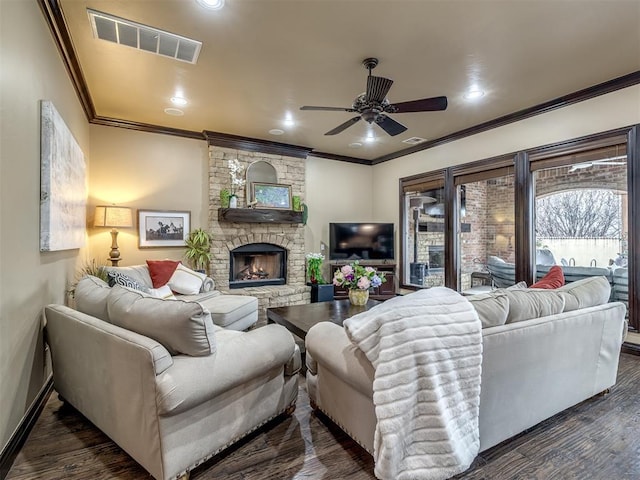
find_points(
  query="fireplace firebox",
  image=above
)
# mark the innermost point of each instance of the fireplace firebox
(257, 264)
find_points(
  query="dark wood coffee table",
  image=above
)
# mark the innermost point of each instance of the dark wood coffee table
(298, 319)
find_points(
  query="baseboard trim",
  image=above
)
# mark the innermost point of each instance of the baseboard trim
(19, 437)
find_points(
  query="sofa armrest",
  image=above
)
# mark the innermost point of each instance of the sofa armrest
(327, 344)
(109, 375)
(71, 329)
(194, 380)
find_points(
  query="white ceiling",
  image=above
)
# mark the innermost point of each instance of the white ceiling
(263, 58)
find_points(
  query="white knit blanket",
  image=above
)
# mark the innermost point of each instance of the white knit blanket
(426, 349)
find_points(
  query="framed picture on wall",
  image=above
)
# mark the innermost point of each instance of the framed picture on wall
(163, 228)
(271, 195)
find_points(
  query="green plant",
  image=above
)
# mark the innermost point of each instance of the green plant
(90, 267)
(314, 268)
(198, 252)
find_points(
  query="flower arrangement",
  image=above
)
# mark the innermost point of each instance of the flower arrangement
(314, 268)
(236, 170)
(357, 277)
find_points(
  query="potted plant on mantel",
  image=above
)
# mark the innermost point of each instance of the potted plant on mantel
(321, 291)
(198, 252)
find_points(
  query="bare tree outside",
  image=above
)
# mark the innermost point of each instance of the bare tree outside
(583, 213)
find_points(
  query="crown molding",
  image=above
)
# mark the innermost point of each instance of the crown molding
(340, 158)
(146, 127)
(237, 142)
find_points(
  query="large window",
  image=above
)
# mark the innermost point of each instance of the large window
(570, 204)
(486, 226)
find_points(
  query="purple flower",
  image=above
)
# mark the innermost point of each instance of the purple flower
(376, 281)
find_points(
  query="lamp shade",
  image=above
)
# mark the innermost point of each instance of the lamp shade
(112, 216)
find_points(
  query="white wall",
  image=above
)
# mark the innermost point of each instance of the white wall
(607, 112)
(336, 192)
(31, 70)
(145, 171)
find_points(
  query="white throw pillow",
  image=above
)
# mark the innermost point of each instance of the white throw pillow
(186, 281)
(163, 292)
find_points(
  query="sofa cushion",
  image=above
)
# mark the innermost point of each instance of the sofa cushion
(528, 304)
(91, 297)
(554, 278)
(118, 278)
(161, 271)
(492, 308)
(181, 327)
(228, 309)
(186, 281)
(588, 292)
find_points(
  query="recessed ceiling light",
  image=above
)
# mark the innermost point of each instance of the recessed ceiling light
(288, 120)
(276, 131)
(355, 145)
(473, 94)
(179, 101)
(211, 4)
(176, 112)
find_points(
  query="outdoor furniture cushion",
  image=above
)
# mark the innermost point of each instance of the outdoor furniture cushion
(180, 327)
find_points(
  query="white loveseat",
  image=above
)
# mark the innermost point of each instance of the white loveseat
(173, 389)
(531, 368)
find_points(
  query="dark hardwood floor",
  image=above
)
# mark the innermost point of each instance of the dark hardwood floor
(598, 439)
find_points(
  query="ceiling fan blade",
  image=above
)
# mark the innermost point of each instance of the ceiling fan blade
(328, 109)
(377, 88)
(423, 105)
(343, 126)
(390, 126)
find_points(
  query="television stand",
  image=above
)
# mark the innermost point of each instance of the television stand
(384, 292)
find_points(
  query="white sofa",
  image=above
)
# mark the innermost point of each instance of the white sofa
(168, 409)
(531, 368)
(235, 312)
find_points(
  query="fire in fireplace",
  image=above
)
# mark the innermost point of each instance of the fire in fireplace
(257, 264)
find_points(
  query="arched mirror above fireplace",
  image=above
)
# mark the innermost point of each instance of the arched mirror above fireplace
(261, 172)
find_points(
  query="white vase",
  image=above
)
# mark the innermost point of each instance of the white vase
(233, 201)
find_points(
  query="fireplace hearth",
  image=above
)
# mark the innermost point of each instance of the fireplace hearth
(257, 264)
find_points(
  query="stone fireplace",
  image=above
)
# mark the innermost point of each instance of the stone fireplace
(234, 242)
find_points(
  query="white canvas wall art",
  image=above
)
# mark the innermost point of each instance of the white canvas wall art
(63, 188)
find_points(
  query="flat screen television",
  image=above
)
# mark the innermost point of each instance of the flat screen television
(361, 241)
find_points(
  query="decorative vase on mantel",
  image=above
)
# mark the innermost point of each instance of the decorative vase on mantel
(358, 296)
(233, 201)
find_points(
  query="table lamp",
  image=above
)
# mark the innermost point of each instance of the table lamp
(114, 217)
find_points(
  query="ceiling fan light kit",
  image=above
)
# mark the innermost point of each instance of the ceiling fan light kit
(372, 106)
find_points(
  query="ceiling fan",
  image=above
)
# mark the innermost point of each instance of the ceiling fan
(372, 105)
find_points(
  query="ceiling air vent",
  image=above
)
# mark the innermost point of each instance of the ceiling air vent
(132, 34)
(414, 140)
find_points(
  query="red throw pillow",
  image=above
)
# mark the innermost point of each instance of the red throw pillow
(553, 279)
(161, 271)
